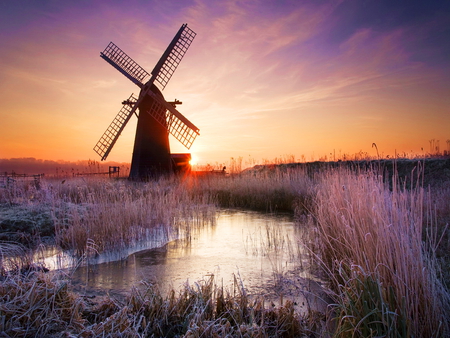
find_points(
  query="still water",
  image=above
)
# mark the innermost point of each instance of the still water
(264, 252)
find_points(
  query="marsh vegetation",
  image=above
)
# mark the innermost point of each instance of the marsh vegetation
(380, 238)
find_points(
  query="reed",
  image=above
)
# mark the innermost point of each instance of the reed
(205, 310)
(383, 245)
(109, 215)
(385, 277)
(13, 257)
(437, 208)
(269, 189)
(37, 306)
(41, 306)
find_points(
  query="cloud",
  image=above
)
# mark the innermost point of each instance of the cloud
(104, 83)
(254, 66)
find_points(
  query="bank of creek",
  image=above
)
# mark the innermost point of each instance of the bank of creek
(264, 253)
(161, 260)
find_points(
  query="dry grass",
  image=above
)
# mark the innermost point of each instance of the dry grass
(379, 242)
(384, 273)
(117, 214)
(107, 214)
(438, 217)
(13, 257)
(269, 189)
(39, 306)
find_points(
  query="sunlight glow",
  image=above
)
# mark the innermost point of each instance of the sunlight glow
(260, 79)
(194, 160)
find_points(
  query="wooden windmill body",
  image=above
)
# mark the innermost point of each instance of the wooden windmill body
(157, 118)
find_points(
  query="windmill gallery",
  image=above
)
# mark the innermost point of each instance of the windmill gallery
(157, 117)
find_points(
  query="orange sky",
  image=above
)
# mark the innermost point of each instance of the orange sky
(262, 79)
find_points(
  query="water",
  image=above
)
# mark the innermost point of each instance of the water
(264, 252)
(54, 258)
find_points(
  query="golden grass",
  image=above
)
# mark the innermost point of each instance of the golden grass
(268, 189)
(379, 242)
(107, 215)
(384, 274)
(38, 306)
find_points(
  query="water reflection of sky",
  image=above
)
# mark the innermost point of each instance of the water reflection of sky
(254, 247)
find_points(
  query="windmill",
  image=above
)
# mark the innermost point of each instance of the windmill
(157, 117)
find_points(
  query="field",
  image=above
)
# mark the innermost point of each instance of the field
(378, 232)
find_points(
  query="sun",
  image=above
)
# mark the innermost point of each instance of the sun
(194, 160)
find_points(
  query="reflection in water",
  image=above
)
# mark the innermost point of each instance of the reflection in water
(259, 249)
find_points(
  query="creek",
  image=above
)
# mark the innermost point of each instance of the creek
(265, 253)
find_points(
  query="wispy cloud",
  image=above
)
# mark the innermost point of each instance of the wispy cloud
(255, 68)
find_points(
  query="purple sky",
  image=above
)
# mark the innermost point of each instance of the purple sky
(262, 79)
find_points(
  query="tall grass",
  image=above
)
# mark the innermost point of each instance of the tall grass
(13, 257)
(267, 189)
(118, 214)
(438, 214)
(38, 306)
(380, 243)
(107, 214)
(383, 270)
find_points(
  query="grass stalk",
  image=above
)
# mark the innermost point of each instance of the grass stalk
(384, 276)
(41, 306)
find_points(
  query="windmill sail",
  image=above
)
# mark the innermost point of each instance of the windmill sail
(171, 58)
(151, 152)
(178, 125)
(124, 64)
(112, 133)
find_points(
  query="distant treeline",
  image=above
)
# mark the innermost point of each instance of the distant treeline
(31, 166)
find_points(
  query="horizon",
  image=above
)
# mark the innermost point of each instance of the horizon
(35, 166)
(262, 80)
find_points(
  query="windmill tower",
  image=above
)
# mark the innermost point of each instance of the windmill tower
(157, 117)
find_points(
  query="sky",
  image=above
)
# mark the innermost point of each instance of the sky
(263, 79)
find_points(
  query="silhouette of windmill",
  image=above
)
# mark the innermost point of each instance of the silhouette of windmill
(157, 117)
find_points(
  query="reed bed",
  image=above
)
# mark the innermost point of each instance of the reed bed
(383, 245)
(267, 189)
(38, 305)
(100, 215)
(438, 215)
(285, 250)
(377, 249)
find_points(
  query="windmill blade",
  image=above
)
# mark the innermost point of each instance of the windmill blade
(178, 125)
(112, 133)
(124, 64)
(171, 58)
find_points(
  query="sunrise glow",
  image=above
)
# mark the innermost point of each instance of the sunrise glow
(262, 79)
(194, 160)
